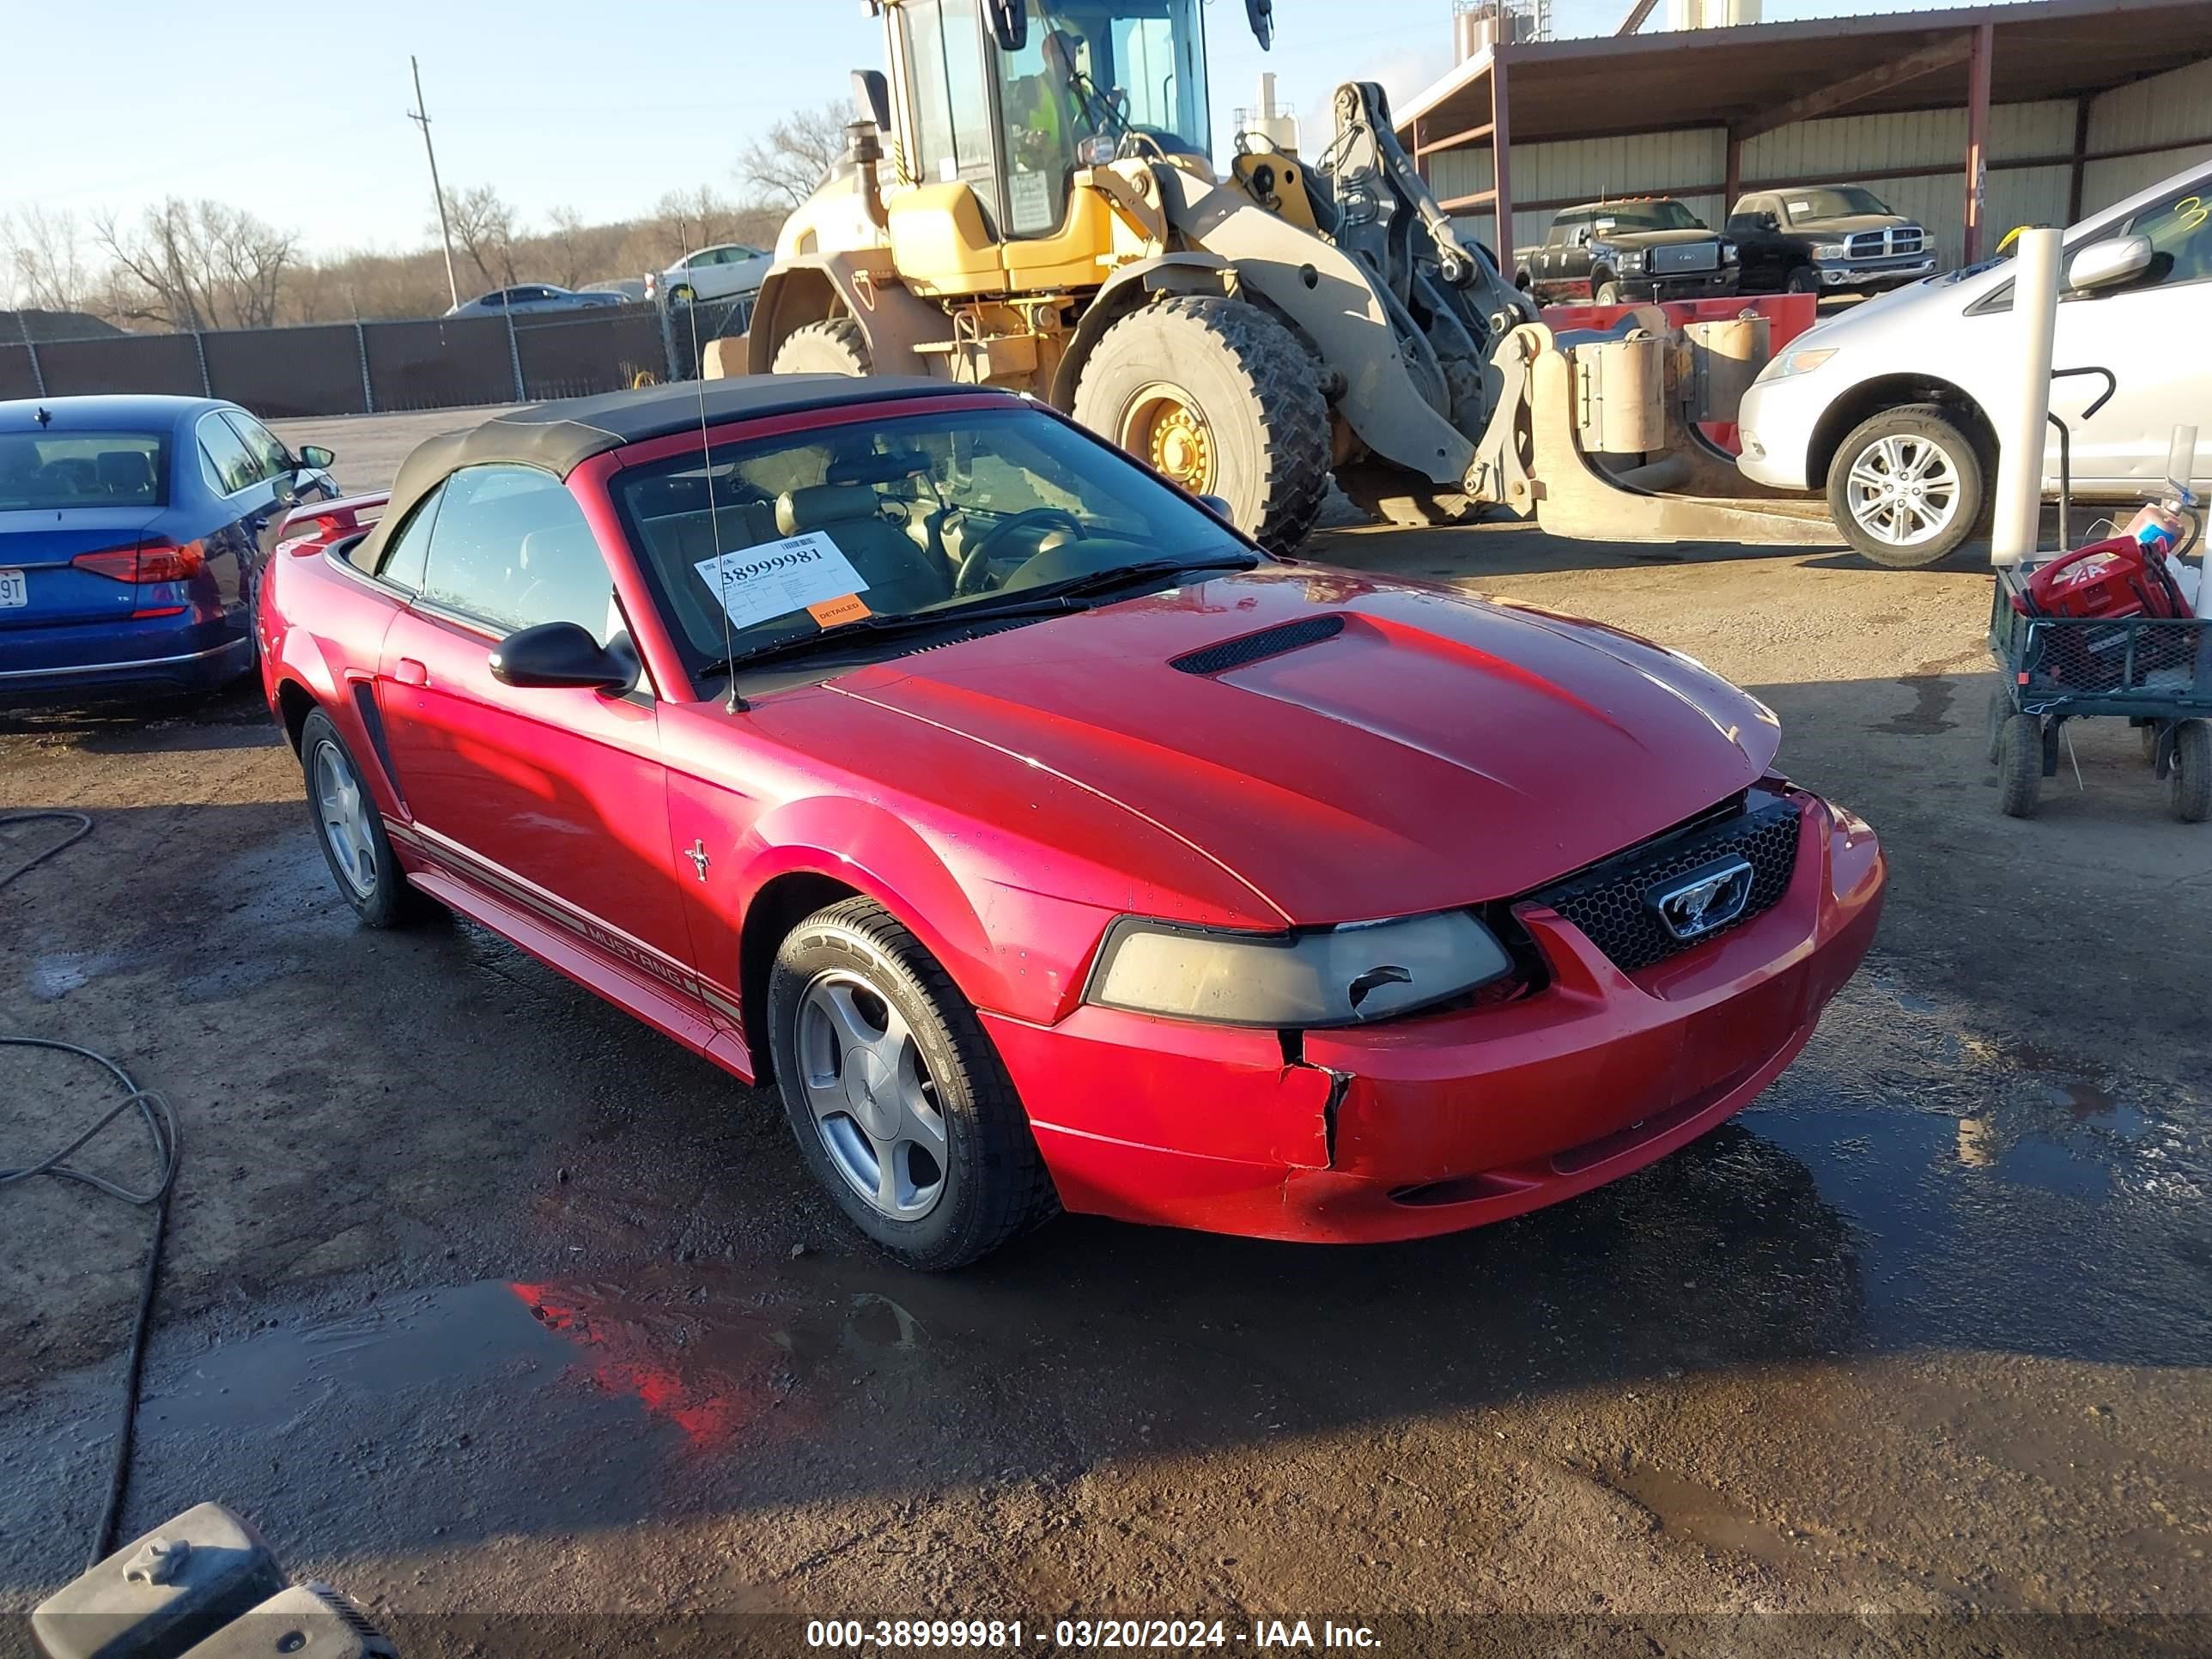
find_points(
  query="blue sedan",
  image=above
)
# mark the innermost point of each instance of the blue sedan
(132, 534)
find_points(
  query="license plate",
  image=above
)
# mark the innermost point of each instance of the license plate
(14, 591)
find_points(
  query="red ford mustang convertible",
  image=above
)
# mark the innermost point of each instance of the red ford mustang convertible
(1043, 842)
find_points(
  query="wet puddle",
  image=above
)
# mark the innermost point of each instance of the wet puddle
(646, 1349)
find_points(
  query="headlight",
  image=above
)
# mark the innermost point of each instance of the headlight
(1831, 251)
(1728, 253)
(1802, 360)
(1631, 259)
(1330, 977)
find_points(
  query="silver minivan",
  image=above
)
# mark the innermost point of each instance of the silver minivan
(1888, 406)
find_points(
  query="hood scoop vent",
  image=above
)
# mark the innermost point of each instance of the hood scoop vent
(1251, 647)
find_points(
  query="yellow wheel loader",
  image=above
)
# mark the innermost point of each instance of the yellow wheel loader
(1028, 201)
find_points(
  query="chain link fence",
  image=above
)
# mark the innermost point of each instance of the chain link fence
(375, 367)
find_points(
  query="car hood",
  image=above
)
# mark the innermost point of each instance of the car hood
(1623, 233)
(1350, 747)
(1851, 223)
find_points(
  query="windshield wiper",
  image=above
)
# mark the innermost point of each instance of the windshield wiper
(1045, 599)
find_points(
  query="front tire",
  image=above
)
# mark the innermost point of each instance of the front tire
(1905, 486)
(350, 831)
(834, 347)
(1608, 293)
(2020, 765)
(1224, 400)
(1802, 279)
(900, 1105)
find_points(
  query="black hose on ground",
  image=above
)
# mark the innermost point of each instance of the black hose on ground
(160, 1119)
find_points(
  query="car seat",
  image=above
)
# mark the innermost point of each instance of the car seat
(126, 474)
(901, 576)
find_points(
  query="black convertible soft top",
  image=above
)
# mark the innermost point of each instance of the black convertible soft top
(560, 436)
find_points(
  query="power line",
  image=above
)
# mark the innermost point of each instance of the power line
(421, 116)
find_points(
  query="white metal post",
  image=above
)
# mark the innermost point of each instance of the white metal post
(2019, 516)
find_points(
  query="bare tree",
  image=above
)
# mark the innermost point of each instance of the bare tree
(796, 155)
(190, 265)
(42, 260)
(483, 225)
(567, 244)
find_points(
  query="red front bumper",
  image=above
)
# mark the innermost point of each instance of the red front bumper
(1433, 1124)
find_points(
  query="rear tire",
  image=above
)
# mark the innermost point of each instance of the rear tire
(2000, 712)
(1222, 399)
(350, 829)
(1885, 458)
(2020, 765)
(964, 1175)
(2189, 784)
(834, 347)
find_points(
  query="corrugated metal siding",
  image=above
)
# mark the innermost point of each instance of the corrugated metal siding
(1837, 146)
(2166, 109)
(2103, 183)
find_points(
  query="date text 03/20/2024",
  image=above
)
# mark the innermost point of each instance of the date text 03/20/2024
(1163, 1634)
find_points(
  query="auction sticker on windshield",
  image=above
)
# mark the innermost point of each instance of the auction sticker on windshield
(776, 578)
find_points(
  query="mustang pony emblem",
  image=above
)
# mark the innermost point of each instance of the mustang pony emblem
(1708, 898)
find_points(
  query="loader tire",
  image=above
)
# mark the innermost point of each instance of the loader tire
(834, 347)
(1222, 399)
(1396, 496)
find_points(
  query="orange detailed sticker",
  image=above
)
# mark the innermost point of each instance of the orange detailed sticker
(831, 612)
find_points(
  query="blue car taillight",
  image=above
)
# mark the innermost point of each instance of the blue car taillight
(148, 560)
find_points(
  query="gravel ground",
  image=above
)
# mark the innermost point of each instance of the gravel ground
(482, 1299)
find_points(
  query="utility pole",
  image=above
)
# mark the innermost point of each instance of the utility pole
(421, 116)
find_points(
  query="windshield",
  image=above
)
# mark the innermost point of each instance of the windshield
(938, 514)
(1839, 203)
(82, 468)
(1643, 215)
(1097, 71)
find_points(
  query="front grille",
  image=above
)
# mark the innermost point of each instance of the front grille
(1251, 647)
(1687, 256)
(1608, 902)
(1877, 244)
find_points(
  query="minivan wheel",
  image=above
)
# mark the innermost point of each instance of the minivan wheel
(901, 1106)
(1905, 487)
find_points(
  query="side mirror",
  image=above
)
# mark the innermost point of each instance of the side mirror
(2102, 264)
(1261, 15)
(1218, 506)
(872, 97)
(1010, 23)
(561, 654)
(315, 457)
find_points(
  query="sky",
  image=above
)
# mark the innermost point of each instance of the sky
(300, 115)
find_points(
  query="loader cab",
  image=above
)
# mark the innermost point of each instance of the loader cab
(1090, 78)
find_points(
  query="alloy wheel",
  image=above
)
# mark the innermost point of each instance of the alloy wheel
(342, 807)
(1903, 490)
(873, 1101)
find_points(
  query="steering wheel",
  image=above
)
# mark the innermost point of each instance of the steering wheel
(976, 565)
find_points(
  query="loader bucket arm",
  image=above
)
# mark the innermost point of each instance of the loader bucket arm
(1379, 199)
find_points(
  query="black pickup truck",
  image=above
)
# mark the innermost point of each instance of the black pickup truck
(1648, 247)
(1830, 239)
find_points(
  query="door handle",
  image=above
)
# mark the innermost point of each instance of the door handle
(408, 671)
